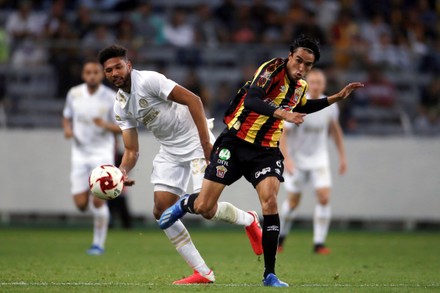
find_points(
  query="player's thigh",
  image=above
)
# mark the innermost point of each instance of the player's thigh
(294, 183)
(79, 177)
(267, 190)
(170, 176)
(198, 167)
(322, 183)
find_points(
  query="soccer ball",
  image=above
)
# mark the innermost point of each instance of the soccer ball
(106, 182)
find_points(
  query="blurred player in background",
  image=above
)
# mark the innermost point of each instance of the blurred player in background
(176, 118)
(88, 119)
(306, 159)
(249, 145)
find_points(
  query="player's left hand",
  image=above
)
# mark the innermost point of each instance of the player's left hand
(127, 182)
(342, 166)
(348, 89)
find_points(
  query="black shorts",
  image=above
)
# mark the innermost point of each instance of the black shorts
(233, 157)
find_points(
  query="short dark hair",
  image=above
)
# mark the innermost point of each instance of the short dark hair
(307, 43)
(111, 52)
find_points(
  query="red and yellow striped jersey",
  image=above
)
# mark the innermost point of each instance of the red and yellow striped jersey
(260, 129)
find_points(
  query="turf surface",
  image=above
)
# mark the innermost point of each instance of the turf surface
(54, 260)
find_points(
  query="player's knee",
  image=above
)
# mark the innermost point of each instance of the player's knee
(157, 212)
(269, 205)
(82, 206)
(324, 200)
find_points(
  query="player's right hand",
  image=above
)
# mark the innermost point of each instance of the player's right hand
(294, 117)
(127, 182)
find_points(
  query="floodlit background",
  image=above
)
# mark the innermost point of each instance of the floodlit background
(212, 48)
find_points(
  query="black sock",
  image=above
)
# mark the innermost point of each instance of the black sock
(188, 204)
(271, 232)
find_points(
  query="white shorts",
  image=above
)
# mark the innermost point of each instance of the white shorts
(295, 183)
(80, 172)
(173, 176)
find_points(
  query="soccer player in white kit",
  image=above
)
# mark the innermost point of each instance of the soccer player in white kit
(89, 121)
(306, 159)
(176, 118)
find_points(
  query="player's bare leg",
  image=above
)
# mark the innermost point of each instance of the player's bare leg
(267, 191)
(180, 238)
(101, 216)
(287, 215)
(206, 203)
(321, 220)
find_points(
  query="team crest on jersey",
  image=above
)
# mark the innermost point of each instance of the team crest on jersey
(236, 125)
(143, 103)
(297, 94)
(264, 77)
(221, 171)
(118, 118)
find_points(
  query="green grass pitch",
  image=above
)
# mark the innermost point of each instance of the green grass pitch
(54, 260)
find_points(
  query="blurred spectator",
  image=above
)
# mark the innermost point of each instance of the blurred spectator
(65, 57)
(428, 118)
(148, 26)
(344, 34)
(125, 35)
(30, 53)
(99, 5)
(208, 32)
(387, 54)
(227, 13)
(376, 28)
(24, 23)
(53, 19)
(223, 95)
(378, 90)
(273, 31)
(83, 21)
(99, 38)
(178, 31)
(244, 32)
(193, 83)
(294, 17)
(310, 28)
(326, 11)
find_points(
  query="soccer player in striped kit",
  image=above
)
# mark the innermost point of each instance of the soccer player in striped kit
(249, 145)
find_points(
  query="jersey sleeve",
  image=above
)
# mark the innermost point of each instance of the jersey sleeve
(158, 85)
(122, 120)
(68, 110)
(335, 111)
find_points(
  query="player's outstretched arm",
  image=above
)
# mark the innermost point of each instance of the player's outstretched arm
(131, 153)
(338, 137)
(185, 97)
(112, 127)
(345, 92)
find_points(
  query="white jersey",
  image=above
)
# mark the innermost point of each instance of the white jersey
(147, 104)
(307, 144)
(82, 107)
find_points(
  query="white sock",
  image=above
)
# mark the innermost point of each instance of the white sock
(321, 223)
(229, 213)
(287, 215)
(181, 239)
(101, 218)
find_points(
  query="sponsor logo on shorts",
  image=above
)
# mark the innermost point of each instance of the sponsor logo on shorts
(262, 172)
(278, 171)
(143, 103)
(278, 163)
(221, 171)
(224, 154)
(223, 162)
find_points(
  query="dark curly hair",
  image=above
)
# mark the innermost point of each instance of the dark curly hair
(307, 43)
(111, 52)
